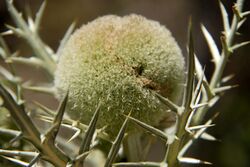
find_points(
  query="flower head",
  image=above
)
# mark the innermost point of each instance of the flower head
(120, 62)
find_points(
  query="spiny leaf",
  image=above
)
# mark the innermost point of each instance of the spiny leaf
(224, 88)
(9, 132)
(198, 68)
(31, 23)
(241, 22)
(4, 47)
(32, 38)
(211, 44)
(50, 136)
(244, 14)
(5, 33)
(34, 160)
(195, 136)
(2, 53)
(85, 145)
(39, 15)
(210, 94)
(227, 78)
(239, 45)
(200, 127)
(166, 101)
(199, 105)
(191, 68)
(138, 164)
(16, 31)
(9, 76)
(45, 109)
(69, 123)
(17, 161)
(149, 128)
(197, 90)
(224, 18)
(16, 138)
(46, 90)
(32, 61)
(17, 153)
(76, 134)
(206, 136)
(189, 160)
(65, 38)
(213, 101)
(82, 156)
(15, 15)
(20, 116)
(116, 145)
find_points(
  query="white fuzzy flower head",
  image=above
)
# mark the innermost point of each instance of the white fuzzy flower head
(120, 61)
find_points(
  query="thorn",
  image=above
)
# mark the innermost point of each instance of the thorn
(227, 78)
(224, 18)
(8, 32)
(212, 45)
(199, 105)
(198, 127)
(212, 101)
(149, 128)
(39, 15)
(31, 24)
(224, 88)
(206, 136)
(197, 90)
(74, 136)
(46, 90)
(45, 109)
(17, 153)
(34, 160)
(16, 161)
(166, 101)
(209, 92)
(85, 145)
(15, 139)
(193, 161)
(16, 31)
(241, 23)
(82, 156)
(191, 69)
(53, 131)
(10, 132)
(116, 145)
(237, 46)
(65, 38)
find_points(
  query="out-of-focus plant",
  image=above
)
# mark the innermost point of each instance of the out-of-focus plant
(106, 144)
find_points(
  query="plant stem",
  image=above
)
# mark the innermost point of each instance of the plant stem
(176, 146)
(219, 69)
(49, 151)
(216, 78)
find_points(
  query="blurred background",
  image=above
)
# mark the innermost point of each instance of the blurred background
(233, 124)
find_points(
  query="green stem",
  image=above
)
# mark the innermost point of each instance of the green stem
(216, 78)
(30, 132)
(175, 147)
(219, 69)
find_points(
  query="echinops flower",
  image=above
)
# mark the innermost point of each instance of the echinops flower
(120, 62)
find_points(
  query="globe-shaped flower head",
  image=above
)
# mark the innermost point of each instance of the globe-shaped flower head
(120, 62)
